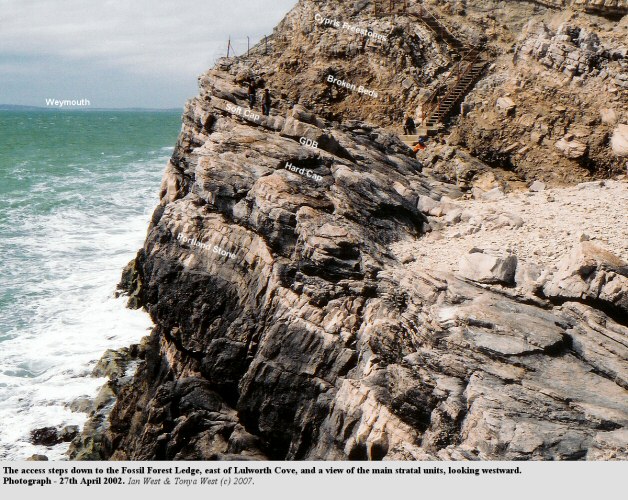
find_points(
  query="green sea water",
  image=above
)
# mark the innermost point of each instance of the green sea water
(77, 189)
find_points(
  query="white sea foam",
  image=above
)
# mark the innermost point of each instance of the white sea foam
(65, 315)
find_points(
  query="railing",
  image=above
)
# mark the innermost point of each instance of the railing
(432, 104)
(391, 6)
(429, 104)
(426, 14)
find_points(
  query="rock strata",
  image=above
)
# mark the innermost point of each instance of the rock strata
(342, 328)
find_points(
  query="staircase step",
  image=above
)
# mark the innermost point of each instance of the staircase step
(470, 66)
(409, 137)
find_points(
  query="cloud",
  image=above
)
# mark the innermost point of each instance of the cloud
(142, 38)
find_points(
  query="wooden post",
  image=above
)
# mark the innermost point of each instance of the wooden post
(266, 49)
(228, 46)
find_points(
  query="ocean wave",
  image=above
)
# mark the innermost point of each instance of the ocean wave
(64, 247)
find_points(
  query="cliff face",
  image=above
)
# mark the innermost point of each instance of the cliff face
(288, 325)
(550, 104)
(565, 71)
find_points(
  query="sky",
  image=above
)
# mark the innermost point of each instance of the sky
(121, 53)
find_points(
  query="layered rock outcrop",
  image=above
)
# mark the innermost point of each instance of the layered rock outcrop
(289, 326)
(566, 78)
(609, 7)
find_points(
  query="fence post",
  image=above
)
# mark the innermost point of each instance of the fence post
(228, 46)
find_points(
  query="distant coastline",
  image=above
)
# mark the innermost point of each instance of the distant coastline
(19, 107)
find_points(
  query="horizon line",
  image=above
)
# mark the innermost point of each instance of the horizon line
(6, 106)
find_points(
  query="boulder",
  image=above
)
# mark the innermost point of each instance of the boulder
(493, 195)
(45, 436)
(503, 219)
(112, 363)
(486, 181)
(608, 116)
(505, 105)
(244, 75)
(301, 114)
(427, 205)
(528, 276)
(619, 141)
(537, 186)
(571, 149)
(296, 129)
(68, 433)
(590, 274)
(453, 216)
(82, 404)
(171, 184)
(536, 137)
(485, 268)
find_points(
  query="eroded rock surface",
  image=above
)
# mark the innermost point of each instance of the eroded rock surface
(296, 317)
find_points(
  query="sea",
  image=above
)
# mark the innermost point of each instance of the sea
(77, 190)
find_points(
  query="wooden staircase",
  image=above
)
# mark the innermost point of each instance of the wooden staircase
(465, 72)
(443, 101)
(438, 29)
(412, 140)
(383, 8)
